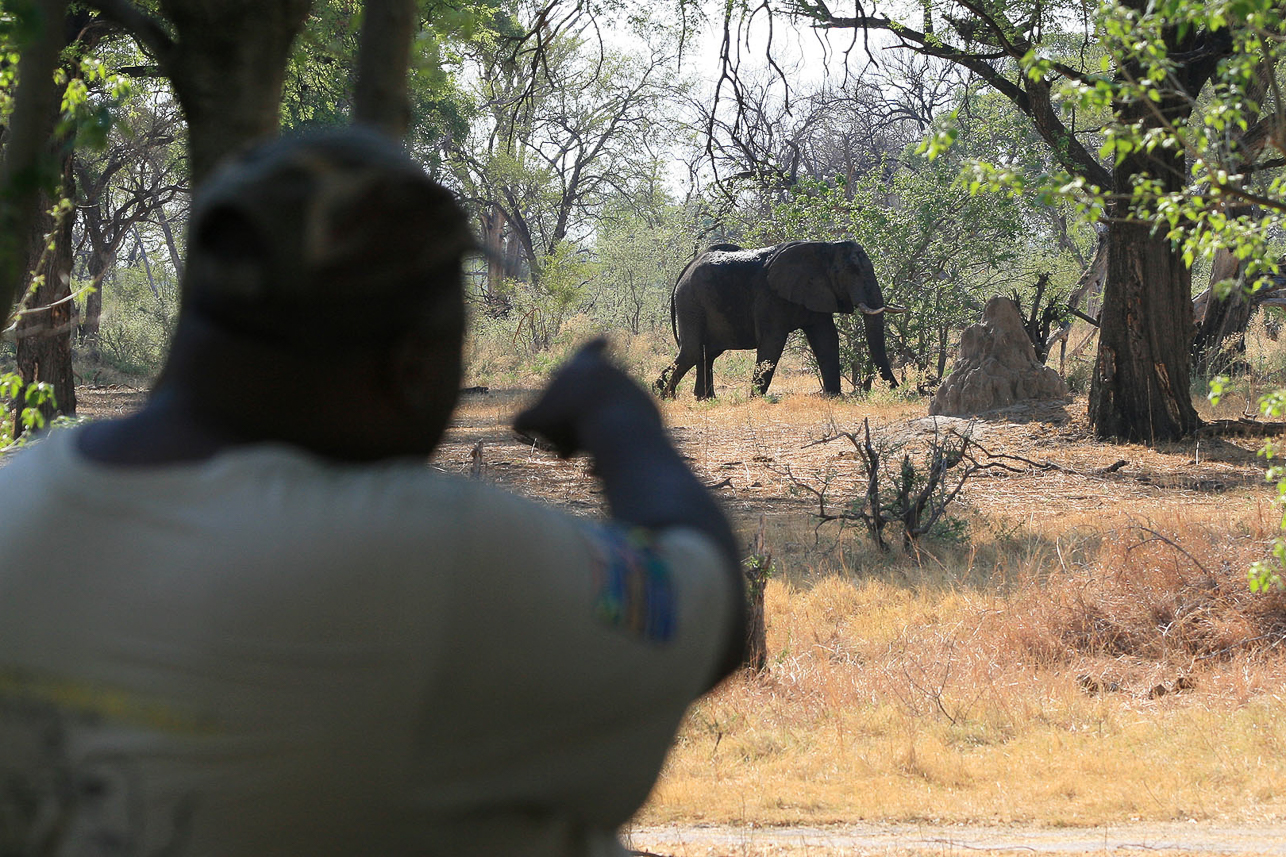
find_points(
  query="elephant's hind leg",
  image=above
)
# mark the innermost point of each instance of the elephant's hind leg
(705, 374)
(664, 386)
(673, 374)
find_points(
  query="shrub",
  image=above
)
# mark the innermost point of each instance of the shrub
(137, 322)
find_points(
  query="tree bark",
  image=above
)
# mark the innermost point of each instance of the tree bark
(35, 111)
(101, 257)
(1089, 288)
(1140, 387)
(757, 570)
(141, 253)
(492, 223)
(1223, 318)
(1139, 391)
(43, 330)
(380, 99)
(227, 67)
(176, 258)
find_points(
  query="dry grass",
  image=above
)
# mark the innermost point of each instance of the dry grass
(1086, 654)
(1090, 655)
(1115, 691)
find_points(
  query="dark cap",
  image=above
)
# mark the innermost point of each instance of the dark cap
(332, 235)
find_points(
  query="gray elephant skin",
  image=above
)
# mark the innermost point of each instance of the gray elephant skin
(729, 298)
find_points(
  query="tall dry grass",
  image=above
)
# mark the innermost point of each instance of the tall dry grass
(1142, 683)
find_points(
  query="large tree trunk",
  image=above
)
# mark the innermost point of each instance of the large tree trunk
(31, 122)
(491, 228)
(44, 329)
(1139, 391)
(227, 69)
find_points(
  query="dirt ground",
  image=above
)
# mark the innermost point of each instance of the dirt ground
(751, 453)
(756, 454)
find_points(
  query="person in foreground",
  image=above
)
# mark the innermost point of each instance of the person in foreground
(249, 619)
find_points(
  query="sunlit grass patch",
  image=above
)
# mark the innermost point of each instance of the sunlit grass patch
(936, 702)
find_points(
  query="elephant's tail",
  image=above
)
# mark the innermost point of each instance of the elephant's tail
(674, 325)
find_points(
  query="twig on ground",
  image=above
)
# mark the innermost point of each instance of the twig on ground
(1160, 537)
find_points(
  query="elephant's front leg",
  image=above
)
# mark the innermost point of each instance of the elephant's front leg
(767, 355)
(823, 338)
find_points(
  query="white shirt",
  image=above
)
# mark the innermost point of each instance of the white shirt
(267, 654)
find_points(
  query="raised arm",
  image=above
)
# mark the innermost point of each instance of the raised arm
(593, 407)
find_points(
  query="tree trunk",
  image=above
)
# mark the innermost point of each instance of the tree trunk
(35, 111)
(176, 258)
(1089, 288)
(525, 240)
(227, 69)
(44, 329)
(380, 99)
(491, 226)
(1223, 318)
(1139, 391)
(100, 258)
(757, 570)
(140, 252)
(97, 267)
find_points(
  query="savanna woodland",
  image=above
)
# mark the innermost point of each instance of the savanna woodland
(1066, 612)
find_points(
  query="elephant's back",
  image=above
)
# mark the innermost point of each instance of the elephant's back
(717, 294)
(730, 270)
(732, 256)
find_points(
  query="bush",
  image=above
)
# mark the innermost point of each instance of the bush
(137, 322)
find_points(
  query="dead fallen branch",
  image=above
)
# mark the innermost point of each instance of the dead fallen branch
(1241, 427)
(997, 460)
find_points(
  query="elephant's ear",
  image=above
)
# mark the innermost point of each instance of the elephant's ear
(805, 273)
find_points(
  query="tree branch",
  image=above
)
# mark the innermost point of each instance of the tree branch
(145, 29)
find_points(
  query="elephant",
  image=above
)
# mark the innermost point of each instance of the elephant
(729, 298)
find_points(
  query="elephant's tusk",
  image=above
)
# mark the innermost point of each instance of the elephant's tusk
(889, 308)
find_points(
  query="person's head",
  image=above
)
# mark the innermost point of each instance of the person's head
(318, 263)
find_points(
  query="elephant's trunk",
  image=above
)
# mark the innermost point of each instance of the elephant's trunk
(874, 324)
